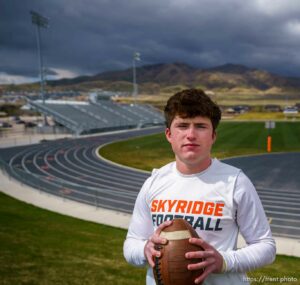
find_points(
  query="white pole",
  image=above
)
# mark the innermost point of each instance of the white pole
(40, 21)
(134, 94)
(136, 57)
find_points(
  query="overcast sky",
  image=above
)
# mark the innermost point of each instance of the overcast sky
(86, 37)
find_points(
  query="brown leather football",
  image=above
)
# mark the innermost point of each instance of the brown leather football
(171, 267)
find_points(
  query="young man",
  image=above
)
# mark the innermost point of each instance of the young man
(217, 199)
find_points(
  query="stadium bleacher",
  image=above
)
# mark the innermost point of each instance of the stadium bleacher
(98, 116)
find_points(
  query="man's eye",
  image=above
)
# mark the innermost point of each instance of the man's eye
(182, 126)
(201, 126)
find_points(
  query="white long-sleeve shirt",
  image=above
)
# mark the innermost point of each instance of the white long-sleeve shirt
(219, 202)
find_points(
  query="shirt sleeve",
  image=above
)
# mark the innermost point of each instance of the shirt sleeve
(140, 229)
(254, 227)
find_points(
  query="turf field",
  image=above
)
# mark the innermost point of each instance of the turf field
(233, 138)
(39, 247)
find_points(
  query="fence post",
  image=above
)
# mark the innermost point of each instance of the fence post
(269, 144)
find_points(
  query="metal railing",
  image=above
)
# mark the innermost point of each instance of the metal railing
(94, 196)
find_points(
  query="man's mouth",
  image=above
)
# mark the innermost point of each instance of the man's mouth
(190, 145)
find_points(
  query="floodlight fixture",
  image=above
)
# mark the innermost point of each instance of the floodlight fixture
(39, 20)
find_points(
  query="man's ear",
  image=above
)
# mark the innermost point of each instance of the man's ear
(168, 134)
(214, 136)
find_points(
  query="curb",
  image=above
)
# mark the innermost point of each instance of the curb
(61, 205)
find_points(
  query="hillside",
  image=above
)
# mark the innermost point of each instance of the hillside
(225, 76)
(155, 78)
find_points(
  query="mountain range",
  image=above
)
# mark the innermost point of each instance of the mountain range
(228, 76)
(160, 77)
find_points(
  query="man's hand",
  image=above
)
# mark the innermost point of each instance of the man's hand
(212, 259)
(153, 243)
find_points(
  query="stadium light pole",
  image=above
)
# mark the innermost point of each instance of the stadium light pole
(40, 22)
(136, 57)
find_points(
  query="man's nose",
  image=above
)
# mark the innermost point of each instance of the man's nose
(191, 132)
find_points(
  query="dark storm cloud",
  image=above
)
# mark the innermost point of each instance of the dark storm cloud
(87, 37)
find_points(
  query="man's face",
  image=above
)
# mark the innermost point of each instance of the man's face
(191, 140)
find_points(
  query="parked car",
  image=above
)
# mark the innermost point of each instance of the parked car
(290, 111)
(5, 125)
(30, 125)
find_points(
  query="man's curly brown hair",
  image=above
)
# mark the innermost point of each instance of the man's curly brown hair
(191, 103)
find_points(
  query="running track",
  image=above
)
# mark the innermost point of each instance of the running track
(70, 168)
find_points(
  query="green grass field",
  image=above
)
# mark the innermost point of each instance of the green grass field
(39, 247)
(43, 248)
(233, 138)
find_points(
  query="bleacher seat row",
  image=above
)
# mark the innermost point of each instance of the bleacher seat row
(103, 115)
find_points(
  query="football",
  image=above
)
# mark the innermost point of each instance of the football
(171, 267)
